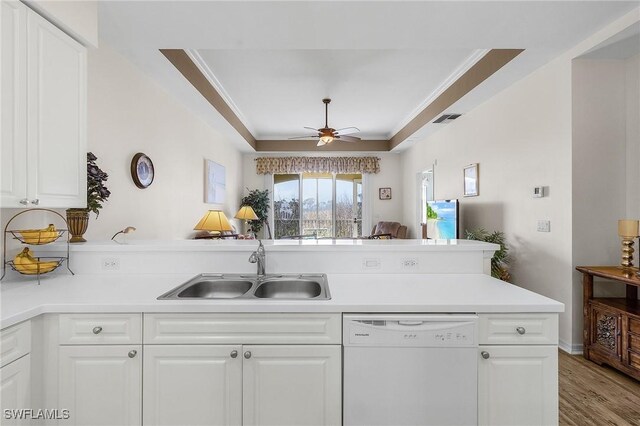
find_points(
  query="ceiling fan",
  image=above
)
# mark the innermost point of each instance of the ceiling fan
(327, 134)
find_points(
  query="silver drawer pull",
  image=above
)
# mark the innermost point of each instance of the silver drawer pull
(521, 330)
(133, 353)
(485, 354)
(234, 354)
(35, 201)
(97, 330)
(247, 354)
(24, 201)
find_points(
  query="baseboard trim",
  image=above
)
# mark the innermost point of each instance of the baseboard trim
(570, 349)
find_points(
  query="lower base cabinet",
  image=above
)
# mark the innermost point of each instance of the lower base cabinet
(193, 385)
(518, 385)
(14, 389)
(101, 385)
(242, 385)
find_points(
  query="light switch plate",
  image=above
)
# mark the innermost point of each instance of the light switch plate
(544, 226)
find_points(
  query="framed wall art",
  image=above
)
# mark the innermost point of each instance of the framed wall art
(214, 183)
(384, 193)
(471, 180)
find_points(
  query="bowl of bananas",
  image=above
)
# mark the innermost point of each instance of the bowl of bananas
(38, 236)
(26, 263)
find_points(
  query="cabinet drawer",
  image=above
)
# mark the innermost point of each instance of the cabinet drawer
(15, 342)
(518, 329)
(96, 329)
(242, 328)
(634, 326)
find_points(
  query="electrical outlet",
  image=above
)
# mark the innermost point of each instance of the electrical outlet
(544, 226)
(371, 263)
(110, 264)
(410, 263)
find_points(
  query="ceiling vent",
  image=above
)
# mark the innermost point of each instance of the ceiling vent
(446, 118)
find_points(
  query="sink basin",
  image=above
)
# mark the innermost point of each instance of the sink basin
(217, 289)
(288, 289)
(243, 286)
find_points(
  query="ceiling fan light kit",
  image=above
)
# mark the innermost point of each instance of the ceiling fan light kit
(328, 134)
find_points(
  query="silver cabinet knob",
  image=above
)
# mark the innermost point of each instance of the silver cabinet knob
(234, 354)
(247, 354)
(485, 354)
(24, 201)
(133, 353)
(35, 202)
(97, 330)
(521, 330)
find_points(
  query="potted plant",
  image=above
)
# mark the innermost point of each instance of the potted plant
(259, 202)
(500, 260)
(97, 193)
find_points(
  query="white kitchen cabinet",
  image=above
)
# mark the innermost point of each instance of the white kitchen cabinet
(518, 385)
(292, 385)
(192, 385)
(43, 112)
(14, 388)
(101, 385)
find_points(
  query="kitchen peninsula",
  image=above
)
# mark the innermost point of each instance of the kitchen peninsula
(100, 343)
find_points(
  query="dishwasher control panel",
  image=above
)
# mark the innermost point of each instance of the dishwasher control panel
(411, 331)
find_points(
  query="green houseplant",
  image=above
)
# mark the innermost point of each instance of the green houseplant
(259, 202)
(500, 260)
(97, 193)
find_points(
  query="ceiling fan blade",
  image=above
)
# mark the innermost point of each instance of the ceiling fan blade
(348, 138)
(347, 131)
(311, 128)
(305, 137)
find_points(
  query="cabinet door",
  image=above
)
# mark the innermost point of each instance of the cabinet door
(192, 385)
(518, 385)
(56, 127)
(14, 388)
(101, 385)
(292, 385)
(13, 106)
(605, 331)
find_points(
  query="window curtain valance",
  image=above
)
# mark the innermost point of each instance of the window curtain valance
(272, 165)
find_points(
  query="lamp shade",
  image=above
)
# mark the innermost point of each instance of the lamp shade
(214, 220)
(628, 228)
(246, 213)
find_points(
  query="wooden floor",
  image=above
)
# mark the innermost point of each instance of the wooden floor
(591, 395)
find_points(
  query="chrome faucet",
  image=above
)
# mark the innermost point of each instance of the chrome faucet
(260, 257)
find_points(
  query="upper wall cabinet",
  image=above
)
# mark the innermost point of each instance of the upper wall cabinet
(43, 112)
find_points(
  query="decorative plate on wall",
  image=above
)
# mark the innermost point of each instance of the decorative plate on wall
(142, 170)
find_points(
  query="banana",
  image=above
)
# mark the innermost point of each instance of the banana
(40, 236)
(25, 263)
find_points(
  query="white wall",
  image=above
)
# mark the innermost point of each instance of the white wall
(521, 138)
(632, 77)
(130, 113)
(390, 176)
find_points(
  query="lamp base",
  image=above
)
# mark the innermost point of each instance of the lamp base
(627, 252)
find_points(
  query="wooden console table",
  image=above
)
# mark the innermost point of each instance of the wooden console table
(611, 331)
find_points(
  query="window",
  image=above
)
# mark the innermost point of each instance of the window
(317, 205)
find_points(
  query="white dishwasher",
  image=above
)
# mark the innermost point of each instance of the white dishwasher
(410, 369)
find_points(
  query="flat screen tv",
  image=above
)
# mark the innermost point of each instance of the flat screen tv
(442, 219)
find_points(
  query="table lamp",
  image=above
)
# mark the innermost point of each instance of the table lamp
(246, 213)
(214, 220)
(628, 231)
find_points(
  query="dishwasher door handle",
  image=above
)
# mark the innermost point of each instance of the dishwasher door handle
(410, 322)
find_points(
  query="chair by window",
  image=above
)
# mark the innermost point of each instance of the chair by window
(392, 229)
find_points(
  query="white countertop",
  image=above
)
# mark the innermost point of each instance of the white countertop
(21, 298)
(333, 245)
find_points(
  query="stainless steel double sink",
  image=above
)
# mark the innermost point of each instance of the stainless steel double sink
(246, 286)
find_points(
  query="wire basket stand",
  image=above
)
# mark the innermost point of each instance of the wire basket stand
(35, 238)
